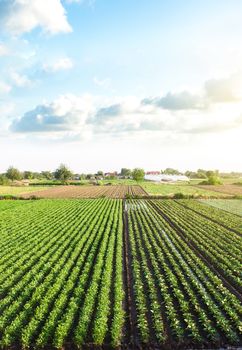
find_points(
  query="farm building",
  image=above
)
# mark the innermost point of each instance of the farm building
(153, 173)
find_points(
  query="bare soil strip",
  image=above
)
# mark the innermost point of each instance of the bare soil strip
(205, 259)
(228, 189)
(130, 331)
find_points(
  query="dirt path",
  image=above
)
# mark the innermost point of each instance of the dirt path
(130, 330)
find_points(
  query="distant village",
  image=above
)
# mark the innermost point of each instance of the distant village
(63, 173)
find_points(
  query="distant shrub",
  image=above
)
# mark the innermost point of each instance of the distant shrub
(33, 197)
(237, 196)
(12, 197)
(8, 197)
(212, 180)
(4, 180)
(179, 195)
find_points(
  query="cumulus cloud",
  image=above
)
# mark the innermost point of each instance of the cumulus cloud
(110, 111)
(213, 92)
(20, 80)
(63, 114)
(129, 115)
(224, 90)
(64, 63)
(41, 119)
(178, 101)
(71, 113)
(22, 16)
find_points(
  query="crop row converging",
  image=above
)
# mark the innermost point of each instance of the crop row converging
(62, 266)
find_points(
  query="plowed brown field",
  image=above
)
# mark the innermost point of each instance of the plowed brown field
(119, 191)
(228, 189)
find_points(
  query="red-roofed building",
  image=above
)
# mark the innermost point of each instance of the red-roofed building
(153, 173)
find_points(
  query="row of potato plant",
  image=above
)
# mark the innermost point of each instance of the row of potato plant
(57, 273)
(202, 306)
(209, 238)
(221, 216)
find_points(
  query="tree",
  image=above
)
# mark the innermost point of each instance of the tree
(191, 174)
(100, 173)
(3, 180)
(212, 173)
(28, 175)
(170, 171)
(201, 174)
(63, 173)
(47, 175)
(82, 176)
(138, 174)
(212, 178)
(13, 174)
(126, 172)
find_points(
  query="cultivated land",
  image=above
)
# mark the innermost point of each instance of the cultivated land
(118, 191)
(159, 273)
(227, 188)
(227, 219)
(233, 206)
(162, 189)
(19, 190)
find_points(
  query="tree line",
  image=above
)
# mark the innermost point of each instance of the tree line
(63, 173)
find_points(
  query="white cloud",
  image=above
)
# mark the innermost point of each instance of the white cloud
(4, 88)
(20, 80)
(225, 90)
(64, 63)
(22, 16)
(6, 111)
(214, 91)
(3, 50)
(210, 110)
(125, 117)
(64, 114)
(183, 100)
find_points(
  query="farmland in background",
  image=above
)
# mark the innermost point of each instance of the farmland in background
(161, 273)
(119, 189)
(169, 189)
(230, 221)
(230, 189)
(19, 190)
(225, 180)
(112, 191)
(233, 206)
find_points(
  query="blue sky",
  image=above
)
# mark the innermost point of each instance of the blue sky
(110, 84)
